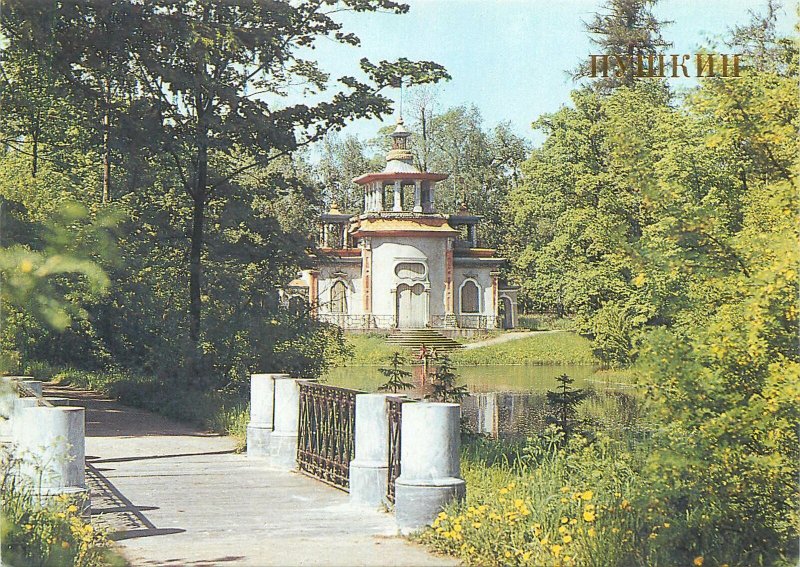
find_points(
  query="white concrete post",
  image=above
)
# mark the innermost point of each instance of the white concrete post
(52, 444)
(417, 196)
(7, 397)
(370, 467)
(262, 404)
(429, 463)
(282, 451)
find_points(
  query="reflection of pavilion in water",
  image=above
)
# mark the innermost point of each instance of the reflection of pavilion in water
(505, 415)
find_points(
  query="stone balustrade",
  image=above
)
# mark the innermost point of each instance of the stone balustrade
(430, 475)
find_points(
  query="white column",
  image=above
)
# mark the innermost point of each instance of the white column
(398, 196)
(52, 441)
(370, 467)
(262, 404)
(282, 451)
(417, 196)
(429, 463)
(379, 195)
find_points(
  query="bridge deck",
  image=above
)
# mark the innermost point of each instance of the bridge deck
(174, 495)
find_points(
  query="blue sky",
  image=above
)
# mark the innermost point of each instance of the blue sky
(509, 57)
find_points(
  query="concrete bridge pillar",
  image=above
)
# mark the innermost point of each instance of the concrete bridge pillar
(282, 450)
(430, 472)
(370, 467)
(262, 413)
(52, 441)
(11, 402)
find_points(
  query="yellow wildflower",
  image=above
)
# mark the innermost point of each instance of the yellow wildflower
(591, 532)
(567, 538)
(587, 495)
(476, 525)
(555, 549)
(564, 520)
(518, 502)
(588, 516)
(698, 561)
(508, 554)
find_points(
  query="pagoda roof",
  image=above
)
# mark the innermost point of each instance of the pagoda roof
(435, 226)
(387, 175)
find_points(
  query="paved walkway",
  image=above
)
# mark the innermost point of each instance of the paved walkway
(176, 496)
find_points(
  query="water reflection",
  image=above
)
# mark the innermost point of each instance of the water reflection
(510, 401)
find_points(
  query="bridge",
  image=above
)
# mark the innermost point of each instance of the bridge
(171, 494)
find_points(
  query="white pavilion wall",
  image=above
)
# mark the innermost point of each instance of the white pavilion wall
(387, 254)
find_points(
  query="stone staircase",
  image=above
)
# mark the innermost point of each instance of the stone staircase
(414, 339)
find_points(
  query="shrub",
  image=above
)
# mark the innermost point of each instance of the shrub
(53, 533)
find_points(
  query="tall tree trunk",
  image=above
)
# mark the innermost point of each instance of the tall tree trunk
(195, 256)
(107, 144)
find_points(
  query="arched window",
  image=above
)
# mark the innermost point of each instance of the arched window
(339, 297)
(470, 297)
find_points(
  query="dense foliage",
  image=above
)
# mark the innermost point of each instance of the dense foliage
(172, 121)
(669, 226)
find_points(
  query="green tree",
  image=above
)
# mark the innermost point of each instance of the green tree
(628, 29)
(396, 376)
(444, 387)
(344, 159)
(208, 79)
(563, 405)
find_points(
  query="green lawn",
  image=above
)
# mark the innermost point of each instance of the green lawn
(548, 348)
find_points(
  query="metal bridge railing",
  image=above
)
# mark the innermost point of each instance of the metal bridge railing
(326, 433)
(395, 415)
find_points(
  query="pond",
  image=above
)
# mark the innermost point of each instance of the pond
(495, 378)
(510, 402)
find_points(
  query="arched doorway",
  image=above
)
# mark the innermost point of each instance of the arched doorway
(506, 313)
(411, 308)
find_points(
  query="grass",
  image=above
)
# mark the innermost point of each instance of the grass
(546, 348)
(369, 350)
(539, 504)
